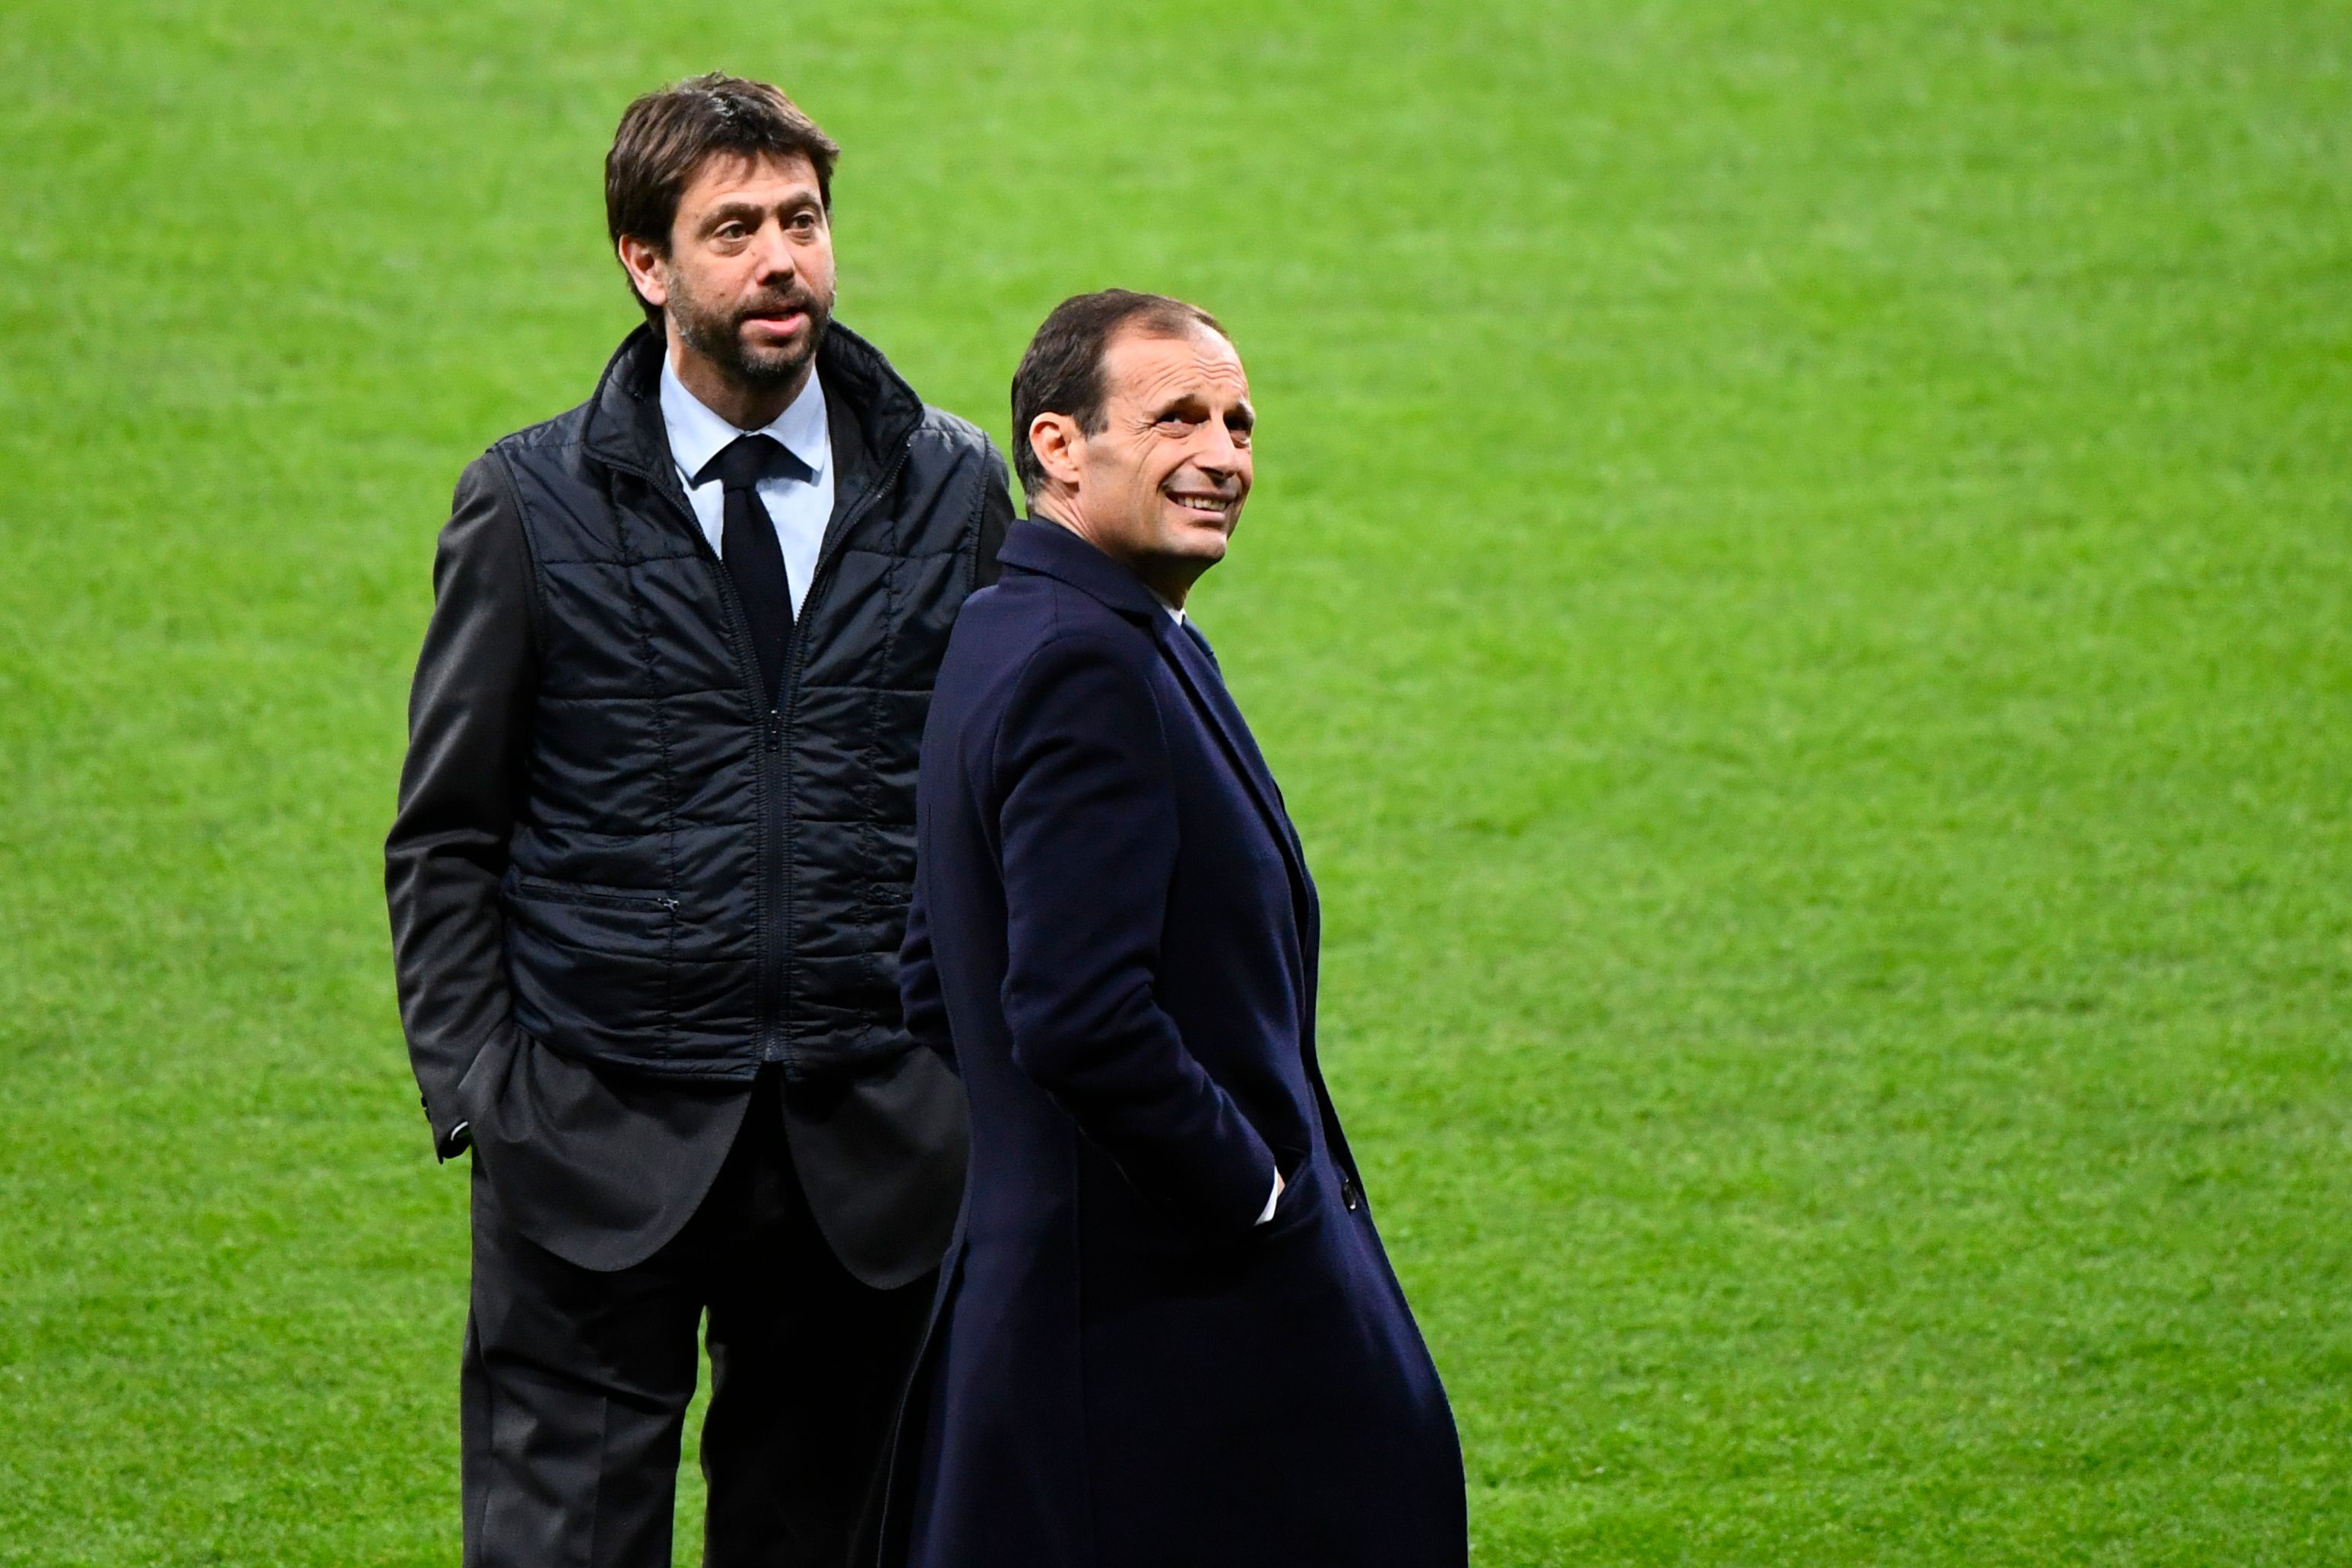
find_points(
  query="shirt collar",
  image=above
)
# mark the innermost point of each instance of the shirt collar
(697, 434)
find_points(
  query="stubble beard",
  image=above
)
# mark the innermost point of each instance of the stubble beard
(717, 334)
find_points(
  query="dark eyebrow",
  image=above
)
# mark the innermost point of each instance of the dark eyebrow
(801, 201)
(1175, 405)
(730, 211)
(1244, 415)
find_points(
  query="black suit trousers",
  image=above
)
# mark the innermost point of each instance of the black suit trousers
(576, 1382)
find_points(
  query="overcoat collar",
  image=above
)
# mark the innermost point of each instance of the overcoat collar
(1057, 553)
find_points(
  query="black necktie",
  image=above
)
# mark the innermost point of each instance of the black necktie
(747, 546)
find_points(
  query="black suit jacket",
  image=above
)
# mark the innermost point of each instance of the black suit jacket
(1114, 932)
(597, 1166)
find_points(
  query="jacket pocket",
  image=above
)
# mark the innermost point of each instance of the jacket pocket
(593, 967)
(591, 893)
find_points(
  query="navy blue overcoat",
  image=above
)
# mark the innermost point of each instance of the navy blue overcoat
(1113, 923)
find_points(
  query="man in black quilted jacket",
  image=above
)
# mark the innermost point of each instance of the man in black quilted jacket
(650, 870)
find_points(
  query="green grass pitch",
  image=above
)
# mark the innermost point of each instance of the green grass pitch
(1801, 589)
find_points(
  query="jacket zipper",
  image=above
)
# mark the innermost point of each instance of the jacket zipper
(774, 965)
(774, 725)
(770, 772)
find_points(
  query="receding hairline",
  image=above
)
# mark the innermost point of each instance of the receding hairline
(1138, 327)
(1063, 370)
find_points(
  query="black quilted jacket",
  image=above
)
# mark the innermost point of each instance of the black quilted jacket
(607, 838)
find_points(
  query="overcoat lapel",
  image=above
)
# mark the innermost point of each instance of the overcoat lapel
(1048, 548)
(1196, 667)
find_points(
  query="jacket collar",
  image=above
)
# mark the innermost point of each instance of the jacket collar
(1054, 552)
(624, 419)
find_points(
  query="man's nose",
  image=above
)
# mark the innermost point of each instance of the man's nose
(774, 252)
(1218, 455)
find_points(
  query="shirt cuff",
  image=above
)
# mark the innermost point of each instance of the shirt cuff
(1271, 1200)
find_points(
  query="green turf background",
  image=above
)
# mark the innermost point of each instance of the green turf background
(1799, 589)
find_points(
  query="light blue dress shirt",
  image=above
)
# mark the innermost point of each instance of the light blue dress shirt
(799, 508)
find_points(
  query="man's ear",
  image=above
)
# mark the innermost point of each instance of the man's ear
(1056, 439)
(644, 262)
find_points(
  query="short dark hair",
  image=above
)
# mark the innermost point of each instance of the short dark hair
(1062, 371)
(665, 136)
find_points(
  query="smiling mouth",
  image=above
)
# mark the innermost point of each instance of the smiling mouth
(1207, 505)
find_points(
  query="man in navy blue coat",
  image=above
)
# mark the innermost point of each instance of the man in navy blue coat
(1167, 1333)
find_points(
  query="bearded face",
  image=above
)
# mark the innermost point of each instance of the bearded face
(760, 332)
(746, 282)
